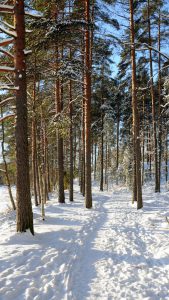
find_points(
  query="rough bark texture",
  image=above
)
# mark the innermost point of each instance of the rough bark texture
(136, 131)
(24, 206)
(87, 116)
(61, 195)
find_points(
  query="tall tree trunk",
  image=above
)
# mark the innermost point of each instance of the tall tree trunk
(24, 205)
(38, 180)
(101, 155)
(71, 142)
(166, 156)
(83, 152)
(74, 149)
(95, 159)
(58, 100)
(87, 94)
(136, 129)
(106, 162)
(34, 148)
(153, 103)
(117, 135)
(159, 101)
(143, 139)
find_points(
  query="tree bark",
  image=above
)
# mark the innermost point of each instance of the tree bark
(87, 117)
(136, 129)
(34, 148)
(24, 205)
(159, 102)
(71, 142)
(61, 195)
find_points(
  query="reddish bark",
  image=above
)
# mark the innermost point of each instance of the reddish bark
(24, 206)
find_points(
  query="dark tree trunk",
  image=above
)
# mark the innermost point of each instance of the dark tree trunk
(24, 205)
(95, 159)
(58, 103)
(159, 102)
(74, 149)
(166, 156)
(117, 135)
(101, 158)
(34, 148)
(83, 154)
(143, 148)
(87, 117)
(71, 144)
(136, 130)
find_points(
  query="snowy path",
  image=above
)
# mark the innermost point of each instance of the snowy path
(125, 258)
(112, 252)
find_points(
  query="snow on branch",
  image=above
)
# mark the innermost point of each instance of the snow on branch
(34, 15)
(6, 69)
(6, 101)
(6, 8)
(8, 87)
(6, 42)
(6, 53)
(7, 117)
(8, 25)
(26, 52)
(148, 47)
(8, 32)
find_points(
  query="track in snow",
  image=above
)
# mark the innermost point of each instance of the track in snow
(111, 252)
(123, 257)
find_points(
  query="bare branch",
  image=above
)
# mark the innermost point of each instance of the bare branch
(6, 42)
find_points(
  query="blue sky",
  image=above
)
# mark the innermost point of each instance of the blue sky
(119, 13)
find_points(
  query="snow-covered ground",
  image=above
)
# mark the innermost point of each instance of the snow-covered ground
(5, 203)
(112, 252)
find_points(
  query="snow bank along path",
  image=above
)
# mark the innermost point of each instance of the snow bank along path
(111, 252)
